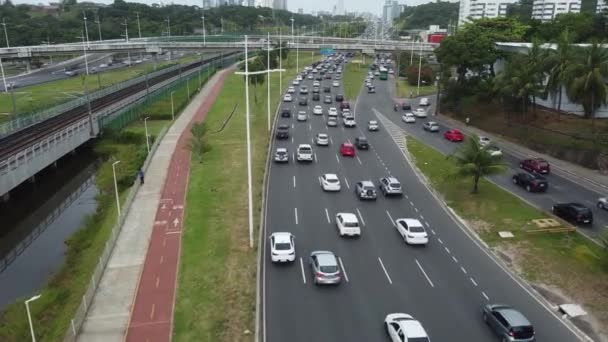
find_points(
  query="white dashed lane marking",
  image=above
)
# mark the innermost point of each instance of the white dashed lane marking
(425, 275)
(343, 269)
(327, 215)
(295, 210)
(303, 273)
(385, 272)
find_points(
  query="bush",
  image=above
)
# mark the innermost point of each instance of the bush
(426, 75)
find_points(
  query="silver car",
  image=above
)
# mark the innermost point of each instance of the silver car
(325, 269)
(431, 126)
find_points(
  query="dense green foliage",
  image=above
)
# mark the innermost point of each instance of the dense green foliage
(434, 13)
(348, 29)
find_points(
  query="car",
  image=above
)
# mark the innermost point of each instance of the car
(296, 82)
(303, 101)
(322, 139)
(349, 121)
(602, 203)
(348, 224)
(454, 135)
(282, 247)
(573, 212)
(319, 78)
(325, 269)
(303, 90)
(346, 112)
(406, 106)
(431, 126)
(302, 116)
(310, 76)
(390, 186)
(287, 98)
(391, 71)
(327, 76)
(372, 125)
(408, 118)
(332, 111)
(317, 110)
(304, 153)
(484, 141)
(103, 65)
(330, 182)
(291, 90)
(412, 231)
(420, 112)
(316, 84)
(282, 132)
(299, 78)
(371, 89)
(493, 150)
(326, 89)
(281, 155)
(537, 165)
(335, 83)
(316, 89)
(339, 97)
(285, 112)
(402, 327)
(509, 324)
(424, 102)
(361, 143)
(531, 182)
(332, 121)
(366, 190)
(377, 73)
(71, 73)
(316, 97)
(345, 105)
(347, 149)
(327, 99)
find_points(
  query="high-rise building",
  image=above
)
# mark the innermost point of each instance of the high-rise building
(300, 10)
(340, 8)
(390, 11)
(546, 10)
(602, 6)
(279, 4)
(477, 9)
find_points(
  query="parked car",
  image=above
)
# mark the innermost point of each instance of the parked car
(282, 247)
(361, 143)
(509, 324)
(281, 155)
(537, 165)
(531, 182)
(366, 190)
(325, 269)
(454, 135)
(573, 212)
(347, 149)
(431, 126)
(390, 186)
(282, 132)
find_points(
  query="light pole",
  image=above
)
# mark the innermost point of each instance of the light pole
(204, 32)
(292, 36)
(419, 69)
(168, 27)
(84, 50)
(147, 136)
(412, 53)
(116, 186)
(3, 76)
(126, 25)
(98, 22)
(138, 26)
(268, 79)
(172, 107)
(86, 28)
(5, 33)
(280, 63)
(29, 315)
(298, 53)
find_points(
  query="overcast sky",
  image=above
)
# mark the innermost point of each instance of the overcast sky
(373, 6)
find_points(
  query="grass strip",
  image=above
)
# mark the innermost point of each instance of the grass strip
(216, 282)
(352, 77)
(568, 262)
(405, 90)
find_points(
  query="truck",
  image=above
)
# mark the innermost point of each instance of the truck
(435, 37)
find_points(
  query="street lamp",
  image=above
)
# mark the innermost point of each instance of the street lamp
(116, 186)
(84, 50)
(419, 68)
(86, 28)
(172, 107)
(98, 22)
(168, 27)
(5, 33)
(147, 136)
(298, 53)
(29, 315)
(138, 26)
(292, 36)
(204, 32)
(280, 62)
(126, 25)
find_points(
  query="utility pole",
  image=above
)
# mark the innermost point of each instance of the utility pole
(138, 26)
(98, 22)
(168, 20)
(419, 68)
(84, 50)
(126, 25)
(280, 62)
(438, 100)
(5, 33)
(204, 32)
(86, 27)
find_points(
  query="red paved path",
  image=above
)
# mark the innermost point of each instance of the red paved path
(152, 312)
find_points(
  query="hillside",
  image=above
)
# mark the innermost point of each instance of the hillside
(420, 17)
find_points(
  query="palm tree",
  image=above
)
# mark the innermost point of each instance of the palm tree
(474, 160)
(556, 65)
(587, 79)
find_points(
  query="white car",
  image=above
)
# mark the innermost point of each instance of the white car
(282, 247)
(349, 121)
(494, 150)
(332, 111)
(348, 224)
(335, 84)
(484, 141)
(332, 121)
(408, 118)
(424, 102)
(302, 116)
(304, 152)
(310, 76)
(316, 84)
(402, 327)
(346, 112)
(318, 110)
(602, 203)
(291, 90)
(299, 78)
(296, 82)
(372, 125)
(287, 98)
(412, 231)
(322, 139)
(419, 112)
(330, 182)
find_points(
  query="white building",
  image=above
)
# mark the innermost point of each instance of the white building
(477, 9)
(602, 6)
(546, 10)
(279, 4)
(390, 11)
(340, 8)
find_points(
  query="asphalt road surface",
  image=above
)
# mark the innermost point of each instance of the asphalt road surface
(444, 284)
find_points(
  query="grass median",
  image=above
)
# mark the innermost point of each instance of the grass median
(405, 90)
(353, 76)
(217, 275)
(557, 264)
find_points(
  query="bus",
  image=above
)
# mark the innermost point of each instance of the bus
(383, 73)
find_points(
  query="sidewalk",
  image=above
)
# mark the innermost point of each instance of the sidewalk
(108, 317)
(588, 178)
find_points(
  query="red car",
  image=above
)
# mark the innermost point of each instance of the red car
(537, 165)
(344, 105)
(347, 149)
(454, 135)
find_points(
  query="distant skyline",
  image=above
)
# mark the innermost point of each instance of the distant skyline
(372, 6)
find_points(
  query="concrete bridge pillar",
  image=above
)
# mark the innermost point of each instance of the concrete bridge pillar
(28, 65)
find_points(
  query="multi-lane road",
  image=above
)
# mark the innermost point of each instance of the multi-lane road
(443, 285)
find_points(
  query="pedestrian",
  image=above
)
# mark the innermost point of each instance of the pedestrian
(466, 121)
(140, 173)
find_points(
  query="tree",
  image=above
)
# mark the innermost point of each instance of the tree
(587, 76)
(556, 65)
(256, 65)
(426, 75)
(473, 160)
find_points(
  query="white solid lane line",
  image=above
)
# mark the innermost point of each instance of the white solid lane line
(359, 160)
(302, 268)
(390, 218)
(296, 214)
(327, 215)
(346, 181)
(343, 269)
(426, 276)
(360, 217)
(385, 272)
(331, 141)
(292, 140)
(315, 155)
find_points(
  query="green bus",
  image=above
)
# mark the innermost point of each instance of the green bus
(383, 73)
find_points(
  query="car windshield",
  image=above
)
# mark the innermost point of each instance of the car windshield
(331, 180)
(281, 153)
(416, 229)
(282, 246)
(395, 185)
(305, 150)
(328, 269)
(351, 224)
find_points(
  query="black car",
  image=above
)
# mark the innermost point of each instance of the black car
(327, 89)
(361, 143)
(316, 97)
(285, 113)
(531, 182)
(406, 106)
(573, 212)
(339, 97)
(303, 101)
(283, 132)
(319, 78)
(508, 323)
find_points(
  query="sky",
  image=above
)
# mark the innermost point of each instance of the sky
(373, 6)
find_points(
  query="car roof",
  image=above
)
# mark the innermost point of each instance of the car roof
(367, 183)
(331, 176)
(411, 327)
(325, 258)
(514, 317)
(431, 123)
(349, 217)
(410, 222)
(322, 134)
(304, 145)
(575, 205)
(281, 149)
(373, 121)
(282, 237)
(454, 131)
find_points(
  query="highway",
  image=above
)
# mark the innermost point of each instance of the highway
(443, 285)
